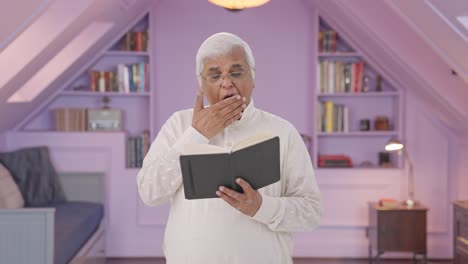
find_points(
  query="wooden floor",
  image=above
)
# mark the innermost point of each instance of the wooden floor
(296, 261)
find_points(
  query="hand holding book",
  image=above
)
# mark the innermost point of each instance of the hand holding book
(248, 202)
(213, 119)
(205, 168)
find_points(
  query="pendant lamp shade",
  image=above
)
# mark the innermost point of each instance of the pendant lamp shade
(238, 4)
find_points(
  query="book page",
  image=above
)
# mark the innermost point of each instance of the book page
(194, 149)
(257, 138)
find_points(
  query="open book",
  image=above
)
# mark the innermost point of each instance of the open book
(207, 167)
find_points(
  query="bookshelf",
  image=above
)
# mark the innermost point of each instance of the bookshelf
(100, 94)
(356, 110)
(121, 74)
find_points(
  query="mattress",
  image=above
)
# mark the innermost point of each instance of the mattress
(75, 223)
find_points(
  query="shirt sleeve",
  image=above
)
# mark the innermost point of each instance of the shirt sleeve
(160, 176)
(299, 208)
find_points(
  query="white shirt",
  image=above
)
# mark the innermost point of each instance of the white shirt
(210, 231)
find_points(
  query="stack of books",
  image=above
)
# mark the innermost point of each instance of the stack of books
(127, 78)
(70, 119)
(134, 41)
(137, 147)
(327, 41)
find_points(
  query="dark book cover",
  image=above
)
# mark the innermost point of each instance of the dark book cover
(258, 164)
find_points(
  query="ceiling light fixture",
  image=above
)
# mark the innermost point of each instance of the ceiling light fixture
(238, 4)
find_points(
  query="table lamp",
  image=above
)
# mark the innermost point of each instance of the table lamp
(396, 145)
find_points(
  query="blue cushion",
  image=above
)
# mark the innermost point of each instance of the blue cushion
(75, 223)
(35, 175)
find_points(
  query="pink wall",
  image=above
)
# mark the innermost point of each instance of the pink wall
(459, 167)
(282, 52)
(282, 44)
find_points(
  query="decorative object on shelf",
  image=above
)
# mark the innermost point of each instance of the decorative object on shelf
(366, 164)
(396, 145)
(384, 160)
(364, 124)
(334, 161)
(80, 88)
(105, 102)
(378, 84)
(381, 123)
(105, 119)
(238, 4)
(389, 202)
(365, 85)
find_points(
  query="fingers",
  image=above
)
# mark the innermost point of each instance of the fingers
(248, 202)
(231, 193)
(233, 202)
(199, 103)
(245, 185)
(227, 111)
(230, 109)
(228, 101)
(223, 103)
(234, 114)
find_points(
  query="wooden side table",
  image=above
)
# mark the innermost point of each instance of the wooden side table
(460, 232)
(399, 228)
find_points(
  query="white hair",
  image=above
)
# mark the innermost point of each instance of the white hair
(221, 44)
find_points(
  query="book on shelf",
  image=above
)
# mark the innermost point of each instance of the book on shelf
(137, 148)
(127, 79)
(332, 117)
(70, 119)
(87, 119)
(327, 41)
(134, 41)
(207, 167)
(339, 77)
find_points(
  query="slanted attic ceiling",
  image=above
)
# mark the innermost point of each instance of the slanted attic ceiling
(407, 57)
(119, 13)
(412, 43)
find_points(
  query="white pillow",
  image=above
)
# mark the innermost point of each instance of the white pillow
(10, 195)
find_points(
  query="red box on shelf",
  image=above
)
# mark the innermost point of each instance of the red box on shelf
(334, 161)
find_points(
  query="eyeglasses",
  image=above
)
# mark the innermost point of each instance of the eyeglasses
(217, 79)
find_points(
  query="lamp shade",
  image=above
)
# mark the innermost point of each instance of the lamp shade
(238, 4)
(394, 145)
